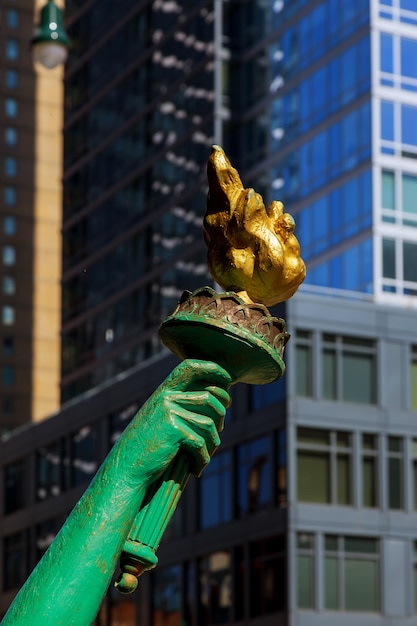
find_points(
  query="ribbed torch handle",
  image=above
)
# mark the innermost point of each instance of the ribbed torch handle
(139, 551)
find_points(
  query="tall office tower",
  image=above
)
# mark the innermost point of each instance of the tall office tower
(30, 239)
(139, 122)
(344, 140)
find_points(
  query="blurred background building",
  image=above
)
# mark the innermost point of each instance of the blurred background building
(30, 231)
(307, 514)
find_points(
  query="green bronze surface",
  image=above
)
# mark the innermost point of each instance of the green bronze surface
(184, 414)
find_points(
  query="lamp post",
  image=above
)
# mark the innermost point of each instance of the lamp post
(50, 42)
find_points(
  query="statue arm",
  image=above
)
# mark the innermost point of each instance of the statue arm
(69, 583)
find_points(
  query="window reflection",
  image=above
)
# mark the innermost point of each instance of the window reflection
(14, 486)
(84, 454)
(166, 596)
(216, 491)
(15, 561)
(254, 481)
(119, 421)
(216, 588)
(268, 576)
(45, 534)
(48, 471)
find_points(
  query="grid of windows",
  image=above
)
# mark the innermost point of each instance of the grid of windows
(239, 482)
(398, 129)
(352, 574)
(316, 32)
(400, 10)
(347, 367)
(351, 567)
(328, 460)
(320, 226)
(337, 149)
(320, 94)
(324, 466)
(398, 65)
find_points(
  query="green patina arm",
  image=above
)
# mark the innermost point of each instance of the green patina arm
(69, 583)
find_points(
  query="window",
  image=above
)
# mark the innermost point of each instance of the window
(403, 211)
(12, 18)
(215, 588)
(8, 345)
(262, 396)
(15, 561)
(45, 534)
(395, 467)
(7, 405)
(305, 571)
(216, 491)
(8, 375)
(369, 471)
(410, 261)
(9, 225)
(388, 196)
(348, 369)
(414, 378)
(10, 166)
(11, 79)
(409, 195)
(8, 285)
(119, 421)
(49, 460)
(8, 315)
(253, 476)
(351, 574)
(14, 487)
(281, 467)
(84, 453)
(12, 49)
(399, 266)
(10, 107)
(9, 255)
(10, 196)
(268, 576)
(324, 466)
(303, 363)
(166, 596)
(10, 136)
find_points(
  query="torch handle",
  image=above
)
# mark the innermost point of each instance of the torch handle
(139, 550)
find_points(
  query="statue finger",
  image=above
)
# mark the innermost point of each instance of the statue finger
(195, 443)
(192, 372)
(204, 404)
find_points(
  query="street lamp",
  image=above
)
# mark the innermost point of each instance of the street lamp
(50, 42)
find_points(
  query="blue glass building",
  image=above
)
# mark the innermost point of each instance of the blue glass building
(343, 140)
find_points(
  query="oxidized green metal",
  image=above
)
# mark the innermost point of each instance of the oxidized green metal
(185, 413)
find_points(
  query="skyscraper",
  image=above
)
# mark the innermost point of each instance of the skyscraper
(30, 239)
(344, 141)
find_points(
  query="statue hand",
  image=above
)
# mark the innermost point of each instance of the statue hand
(185, 412)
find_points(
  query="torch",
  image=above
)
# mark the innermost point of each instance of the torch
(254, 255)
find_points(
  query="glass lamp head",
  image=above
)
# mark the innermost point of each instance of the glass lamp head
(50, 42)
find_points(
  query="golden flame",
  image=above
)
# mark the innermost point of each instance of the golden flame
(251, 250)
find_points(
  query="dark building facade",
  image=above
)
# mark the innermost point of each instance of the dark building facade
(30, 224)
(139, 119)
